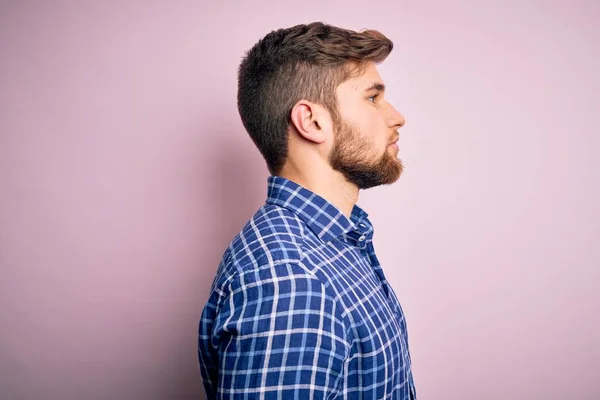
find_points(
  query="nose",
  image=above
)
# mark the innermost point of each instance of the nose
(395, 119)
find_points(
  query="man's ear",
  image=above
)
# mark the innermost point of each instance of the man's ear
(311, 121)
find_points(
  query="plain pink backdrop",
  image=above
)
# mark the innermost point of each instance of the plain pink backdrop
(125, 172)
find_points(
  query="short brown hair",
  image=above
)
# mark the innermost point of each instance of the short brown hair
(302, 62)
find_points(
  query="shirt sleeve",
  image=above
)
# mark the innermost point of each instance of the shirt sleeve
(277, 333)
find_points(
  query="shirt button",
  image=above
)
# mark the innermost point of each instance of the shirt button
(360, 239)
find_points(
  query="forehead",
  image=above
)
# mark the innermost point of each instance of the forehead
(368, 77)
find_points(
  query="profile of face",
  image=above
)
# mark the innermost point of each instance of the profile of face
(366, 127)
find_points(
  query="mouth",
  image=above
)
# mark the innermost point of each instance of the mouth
(394, 144)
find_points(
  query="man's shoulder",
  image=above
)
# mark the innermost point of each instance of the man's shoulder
(273, 235)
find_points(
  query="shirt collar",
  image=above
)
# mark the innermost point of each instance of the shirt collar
(321, 216)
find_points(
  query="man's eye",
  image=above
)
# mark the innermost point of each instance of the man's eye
(372, 98)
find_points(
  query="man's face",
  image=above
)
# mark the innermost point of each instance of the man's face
(365, 149)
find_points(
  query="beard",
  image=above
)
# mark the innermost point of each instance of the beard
(350, 155)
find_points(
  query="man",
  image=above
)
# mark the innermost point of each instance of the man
(300, 307)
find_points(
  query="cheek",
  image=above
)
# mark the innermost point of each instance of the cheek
(378, 131)
(370, 121)
(370, 125)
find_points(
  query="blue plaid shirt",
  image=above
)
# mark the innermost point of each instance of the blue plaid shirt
(300, 308)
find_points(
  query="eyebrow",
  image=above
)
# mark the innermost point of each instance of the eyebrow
(376, 86)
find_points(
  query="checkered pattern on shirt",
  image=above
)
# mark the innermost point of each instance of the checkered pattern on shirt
(300, 308)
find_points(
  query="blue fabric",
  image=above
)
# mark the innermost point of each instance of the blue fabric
(300, 308)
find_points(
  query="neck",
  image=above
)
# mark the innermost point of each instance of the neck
(330, 185)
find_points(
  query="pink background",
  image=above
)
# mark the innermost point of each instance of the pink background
(125, 172)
